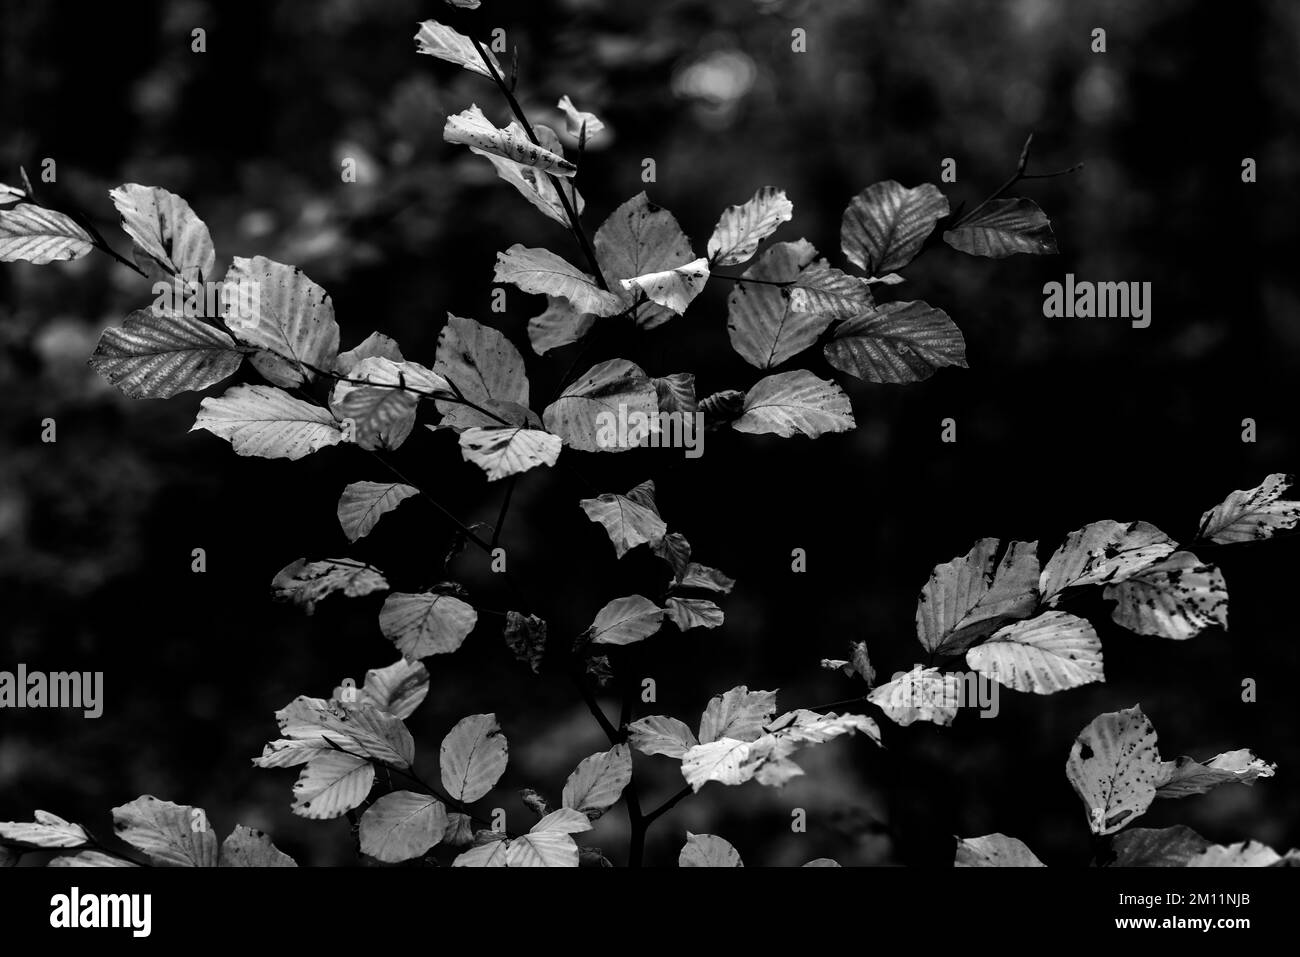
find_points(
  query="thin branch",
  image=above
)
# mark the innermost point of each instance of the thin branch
(575, 224)
(1022, 166)
(505, 509)
(758, 282)
(668, 805)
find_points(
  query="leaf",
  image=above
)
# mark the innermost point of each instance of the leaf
(896, 343)
(629, 520)
(314, 726)
(491, 854)
(48, 830)
(164, 228)
(525, 636)
(885, 225)
(1244, 854)
(426, 624)
(1156, 846)
(660, 734)
(577, 123)
(501, 452)
(795, 403)
(362, 504)
(676, 393)
(534, 185)
(332, 784)
(722, 408)
(473, 757)
(11, 194)
(157, 357)
(1185, 777)
(31, 234)
(446, 44)
(305, 583)
(266, 422)
(676, 551)
(739, 713)
(397, 689)
(279, 309)
(83, 859)
(484, 366)
(1175, 598)
(548, 843)
(1252, 515)
(598, 781)
(402, 825)
(558, 326)
(1053, 652)
(1114, 767)
(922, 694)
(857, 664)
(1003, 227)
(708, 850)
(695, 575)
(626, 620)
(968, 597)
(672, 288)
(994, 850)
(607, 392)
(246, 847)
(175, 835)
(766, 759)
(637, 240)
(687, 613)
(761, 324)
(1102, 551)
(374, 345)
(822, 862)
(741, 228)
(380, 408)
(541, 271)
(821, 288)
(472, 128)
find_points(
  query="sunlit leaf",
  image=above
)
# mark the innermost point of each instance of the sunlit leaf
(157, 357)
(473, 757)
(402, 825)
(626, 620)
(795, 403)
(362, 504)
(641, 239)
(305, 583)
(589, 407)
(971, 596)
(472, 128)
(31, 234)
(994, 850)
(1053, 652)
(1177, 597)
(426, 624)
(1003, 227)
(332, 784)
(741, 228)
(922, 694)
(687, 613)
(629, 520)
(660, 734)
(1101, 552)
(165, 229)
(278, 308)
(1185, 777)
(378, 404)
(598, 781)
(885, 225)
(541, 271)
(1253, 514)
(483, 365)
(577, 122)
(502, 451)
(764, 328)
(897, 342)
(47, 830)
(443, 42)
(1115, 767)
(246, 847)
(176, 835)
(708, 850)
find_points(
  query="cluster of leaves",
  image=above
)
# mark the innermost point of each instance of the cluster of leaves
(997, 611)
(994, 606)
(1116, 769)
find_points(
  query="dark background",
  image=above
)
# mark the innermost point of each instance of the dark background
(1060, 423)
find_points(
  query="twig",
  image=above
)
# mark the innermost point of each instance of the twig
(505, 509)
(1015, 177)
(668, 805)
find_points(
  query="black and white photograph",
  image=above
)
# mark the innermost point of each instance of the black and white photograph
(736, 434)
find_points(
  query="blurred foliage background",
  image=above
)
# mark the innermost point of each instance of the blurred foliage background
(1060, 422)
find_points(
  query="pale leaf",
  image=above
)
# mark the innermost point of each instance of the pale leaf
(473, 757)
(741, 228)
(362, 504)
(426, 624)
